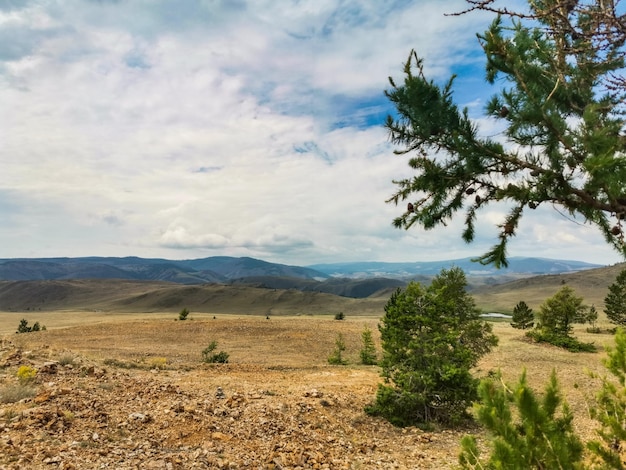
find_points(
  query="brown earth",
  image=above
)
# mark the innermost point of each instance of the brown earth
(130, 391)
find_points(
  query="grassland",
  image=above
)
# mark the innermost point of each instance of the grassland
(284, 355)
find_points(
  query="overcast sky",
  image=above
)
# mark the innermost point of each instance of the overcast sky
(187, 129)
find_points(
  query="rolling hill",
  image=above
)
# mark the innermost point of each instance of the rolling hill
(260, 298)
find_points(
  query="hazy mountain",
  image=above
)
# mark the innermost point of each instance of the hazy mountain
(517, 265)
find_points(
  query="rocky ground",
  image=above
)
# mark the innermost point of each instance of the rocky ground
(89, 414)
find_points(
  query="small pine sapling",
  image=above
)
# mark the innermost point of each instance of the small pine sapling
(184, 313)
(211, 357)
(538, 435)
(368, 348)
(336, 357)
(610, 408)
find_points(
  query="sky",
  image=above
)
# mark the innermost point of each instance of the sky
(189, 129)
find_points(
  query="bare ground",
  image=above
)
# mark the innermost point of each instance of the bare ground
(130, 391)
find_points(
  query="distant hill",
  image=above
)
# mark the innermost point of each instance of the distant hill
(517, 266)
(196, 271)
(357, 280)
(276, 296)
(225, 268)
(107, 295)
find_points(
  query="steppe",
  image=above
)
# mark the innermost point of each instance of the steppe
(128, 390)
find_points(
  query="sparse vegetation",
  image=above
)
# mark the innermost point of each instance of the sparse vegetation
(183, 314)
(211, 357)
(523, 316)
(16, 392)
(24, 328)
(336, 357)
(67, 359)
(368, 348)
(431, 339)
(123, 364)
(158, 363)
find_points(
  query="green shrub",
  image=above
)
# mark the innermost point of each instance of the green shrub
(209, 356)
(534, 436)
(336, 357)
(560, 340)
(340, 316)
(24, 328)
(184, 313)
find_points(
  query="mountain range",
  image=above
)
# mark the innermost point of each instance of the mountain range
(226, 268)
(357, 279)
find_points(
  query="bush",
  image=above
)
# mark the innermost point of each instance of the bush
(209, 356)
(431, 337)
(335, 357)
(562, 341)
(340, 316)
(368, 349)
(26, 374)
(184, 313)
(24, 328)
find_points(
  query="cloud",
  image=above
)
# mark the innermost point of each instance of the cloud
(197, 128)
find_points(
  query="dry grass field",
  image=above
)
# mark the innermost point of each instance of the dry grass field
(120, 382)
(285, 407)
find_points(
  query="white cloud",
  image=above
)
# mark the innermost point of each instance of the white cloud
(184, 129)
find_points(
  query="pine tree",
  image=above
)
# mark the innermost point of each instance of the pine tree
(523, 316)
(368, 348)
(538, 434)
(431, 338)
(558, 313)
(336, 357)
(556, 317)
(561, 93)
(23, 326)
(615, 300)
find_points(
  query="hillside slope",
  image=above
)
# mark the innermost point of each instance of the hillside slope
(136, 296)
